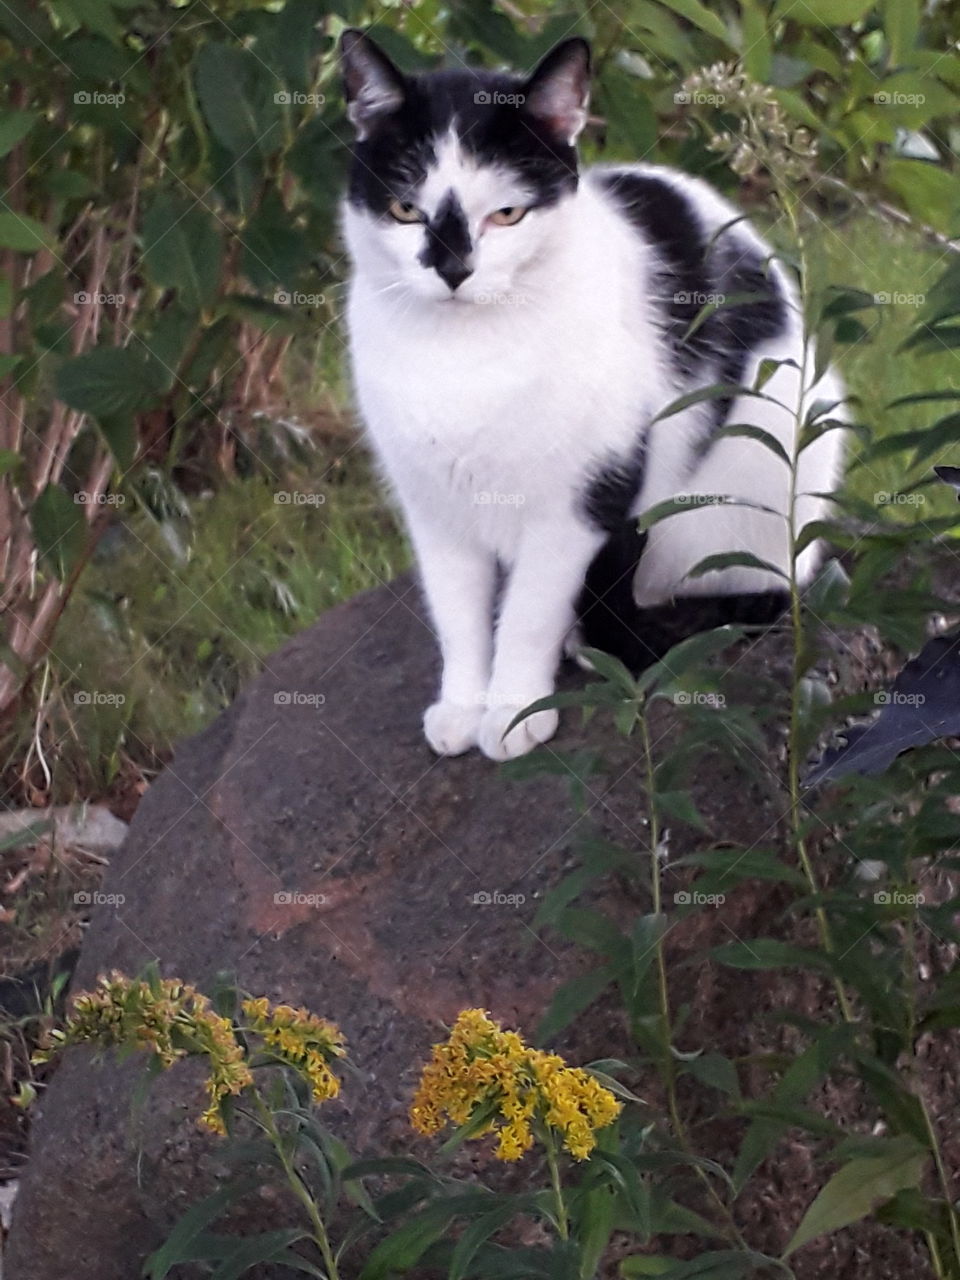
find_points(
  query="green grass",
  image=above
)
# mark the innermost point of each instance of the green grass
(870, 254)
(174, 618)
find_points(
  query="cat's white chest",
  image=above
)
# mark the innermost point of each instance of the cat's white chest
(504, 403)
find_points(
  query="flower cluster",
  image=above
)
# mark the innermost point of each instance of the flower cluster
(766, 140)
(301, 1040)
(172, 1020)
(490, 1078)
(166, 1017)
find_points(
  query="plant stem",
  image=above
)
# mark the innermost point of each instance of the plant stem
(668, 1065)
(796, 619)
(320, 1237)
(563, 1222)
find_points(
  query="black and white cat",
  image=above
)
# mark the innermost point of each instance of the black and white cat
(516, 326)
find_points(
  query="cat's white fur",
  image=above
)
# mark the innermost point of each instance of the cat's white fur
(486, 406)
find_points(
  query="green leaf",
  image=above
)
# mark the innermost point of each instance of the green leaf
(24, 234)
(748, 431)
(271, 1246)
(701, 17)
(275, 251)
(681, 805)
(236, 94)
(798, 1080)
(715, 1070)
(407, 1245)
(855, 1190)
(823, 13)
(769, 953)
(901, 22)
(106, 382)
(572, 998)
(476, 1234)
(596, 1222)
(930, 193)
(182, 250)
(727, 867)
(14, 127)
(628, 110)
(176, 1247)
(591, 929)
(120, 433)
(59, 530)
(730, 559)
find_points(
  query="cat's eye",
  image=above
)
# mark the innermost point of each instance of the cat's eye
(508, 217)
(403, 212)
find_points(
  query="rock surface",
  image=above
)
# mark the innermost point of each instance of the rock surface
(310, 845)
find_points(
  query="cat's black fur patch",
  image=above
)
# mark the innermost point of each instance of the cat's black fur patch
(448, 243)
(613, 487)
(393, 160)
(694, 267)
(610, 619)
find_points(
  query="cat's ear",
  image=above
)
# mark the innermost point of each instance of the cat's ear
(558, 91)
(373, 85)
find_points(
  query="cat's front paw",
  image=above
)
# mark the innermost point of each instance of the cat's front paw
(529, 733)
(451, 727)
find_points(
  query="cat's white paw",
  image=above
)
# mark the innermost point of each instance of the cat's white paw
(528, 734)
(451, 728)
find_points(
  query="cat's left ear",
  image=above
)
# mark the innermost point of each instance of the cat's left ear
(374, 87)
(558, 91)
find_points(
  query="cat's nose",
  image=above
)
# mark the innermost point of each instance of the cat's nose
(453, 274)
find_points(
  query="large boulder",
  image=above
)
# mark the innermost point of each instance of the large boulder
(310, 845)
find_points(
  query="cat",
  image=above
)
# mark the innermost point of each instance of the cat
(516, 327)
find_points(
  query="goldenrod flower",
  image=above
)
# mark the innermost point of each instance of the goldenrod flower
(301, 1040)
(490, 1077)
(172, 1020)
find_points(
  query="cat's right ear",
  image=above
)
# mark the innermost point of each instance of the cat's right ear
(374, 87)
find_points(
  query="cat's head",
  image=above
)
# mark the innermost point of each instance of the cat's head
(457, 176)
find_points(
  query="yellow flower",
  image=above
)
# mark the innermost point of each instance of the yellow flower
(489, 1076)
(172, 1020)
(301, 1040)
